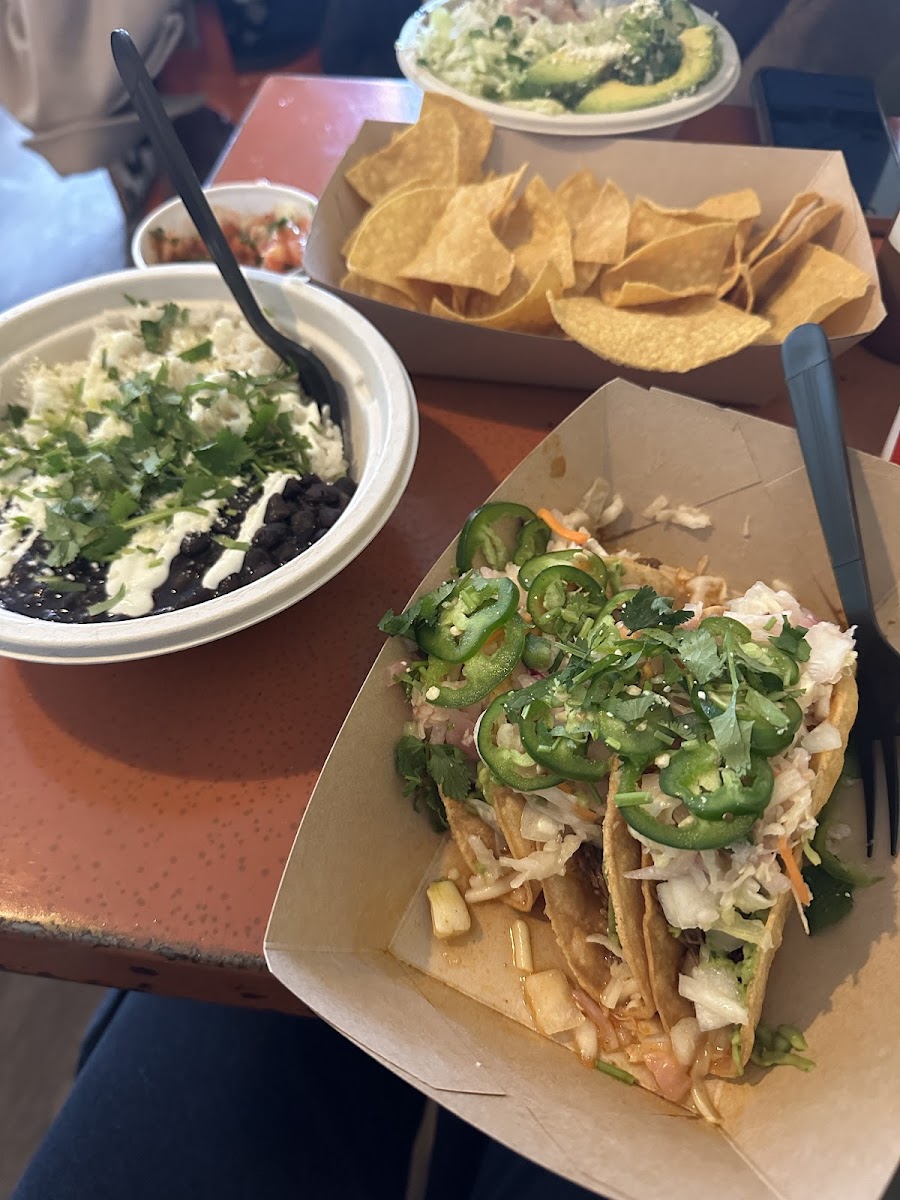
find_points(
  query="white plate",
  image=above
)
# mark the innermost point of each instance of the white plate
(384, 434)
(243, 199)
(640, 120)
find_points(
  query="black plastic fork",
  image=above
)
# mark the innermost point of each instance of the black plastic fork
(810, 379)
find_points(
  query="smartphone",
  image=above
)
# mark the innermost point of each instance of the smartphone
(834, 112)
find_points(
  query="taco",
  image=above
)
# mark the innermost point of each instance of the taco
(607, 721)
(715, 903)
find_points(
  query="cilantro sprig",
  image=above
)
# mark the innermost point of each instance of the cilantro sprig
(425, 768)
(154, 461)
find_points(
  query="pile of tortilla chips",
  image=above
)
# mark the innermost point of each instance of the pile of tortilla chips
(640, 285)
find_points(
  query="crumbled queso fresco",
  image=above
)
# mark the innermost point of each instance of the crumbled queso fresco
(177, 462)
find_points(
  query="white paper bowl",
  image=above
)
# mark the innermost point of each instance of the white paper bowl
(639, 120)
(384, 434)
(244, 199)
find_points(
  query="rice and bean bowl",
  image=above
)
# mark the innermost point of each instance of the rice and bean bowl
(178, 461)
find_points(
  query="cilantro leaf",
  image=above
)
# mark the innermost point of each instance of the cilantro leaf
(424, 768)
(732, 738)
(16, 415)
(197, 353)
(700, 654)
(451, 771)
(633, 708)
(646, 609)
(226, 455)
(424, 611)
(156, 333)
(792, 640)
(832, 899)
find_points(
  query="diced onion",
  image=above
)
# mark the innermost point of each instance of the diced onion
(586, 1040)
(685, 1037)
(449, 914)
(520, 935)
(548, 995)
(490, 891)
(823, 737)
(538, 826)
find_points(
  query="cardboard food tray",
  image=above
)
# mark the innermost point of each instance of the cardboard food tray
(672, 173)
(350, 924)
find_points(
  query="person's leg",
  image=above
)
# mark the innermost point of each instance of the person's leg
(507, 1176)
(188, 1100)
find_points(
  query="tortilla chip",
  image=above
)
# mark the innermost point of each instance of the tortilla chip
(684, 264)
(376, 291)
(622, 853)
(586, 275)
(475, 132)
(742, 206)
(673, 337)
(764, 270)
(461, 248)
(798, 205)
(523, 306)
(428, 150)
(598, 217)
(649, 222)
(465, 824)
(537, 231)
(817, 284)
(393, 232)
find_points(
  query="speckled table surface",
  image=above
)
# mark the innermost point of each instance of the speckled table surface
(147, 809)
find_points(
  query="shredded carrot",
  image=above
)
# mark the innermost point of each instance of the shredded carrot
(571, 535)
(798, 883)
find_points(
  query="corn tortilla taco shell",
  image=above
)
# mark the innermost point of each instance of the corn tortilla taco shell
(622, 853)
(465, 824)
(509, 806)
(665, 953)
(577, 910)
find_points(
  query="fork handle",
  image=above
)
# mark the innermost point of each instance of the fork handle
(810, 380)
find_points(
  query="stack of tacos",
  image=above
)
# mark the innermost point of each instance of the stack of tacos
(639, 756)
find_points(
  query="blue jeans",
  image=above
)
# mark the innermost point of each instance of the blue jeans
(179, 1100)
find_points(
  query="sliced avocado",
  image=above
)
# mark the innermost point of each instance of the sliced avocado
(569, 67)
(700, 61)
(541, 104)
(683, 14)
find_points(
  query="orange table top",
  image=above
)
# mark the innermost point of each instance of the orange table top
(147, 809)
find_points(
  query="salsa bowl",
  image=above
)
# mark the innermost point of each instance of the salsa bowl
(167, 233)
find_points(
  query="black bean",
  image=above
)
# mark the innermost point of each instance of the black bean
(346, 485)
(258, 570)
(256, 557)
(286, 551)
(303, 522)
(278, 510)
(180, 577)
(196, 544)
(342, 500)
(295, 488)
(271, 535)
(318, 493)
(328, 517)
(229, 584)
